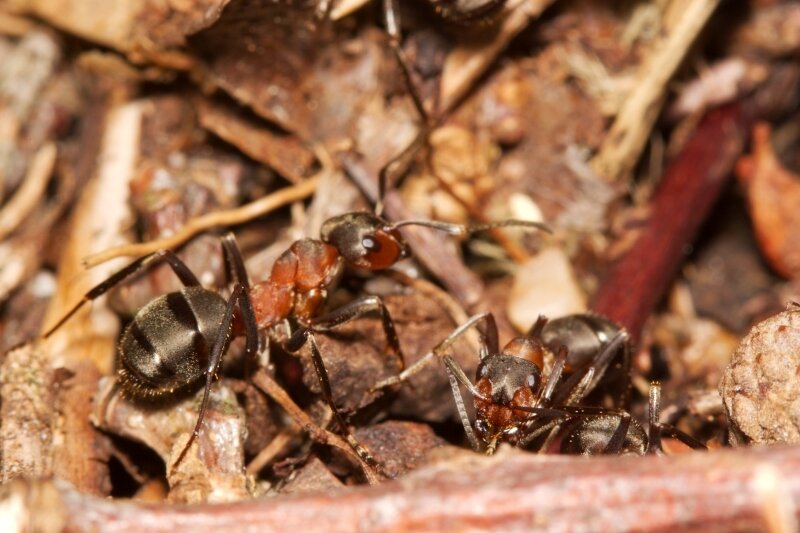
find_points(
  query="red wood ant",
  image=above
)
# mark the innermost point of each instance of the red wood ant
(180, 338)
(515, 403)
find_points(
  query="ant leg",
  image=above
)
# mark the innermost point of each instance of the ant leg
(601, 430)
(238, 295)
(234, 264)
(391, 16)
(488, 345)
(579, 384)
(538, 327)
(656, 429)
(356, 309)
(462, 411)
(398, 164)
(295, 343)
(555, 375)
(179, 267)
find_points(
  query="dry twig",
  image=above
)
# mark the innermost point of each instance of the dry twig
(509, 492)
(30, 190)
(631, 129)
(228, 217)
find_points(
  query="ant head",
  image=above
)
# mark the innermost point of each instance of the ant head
(513, 380)
(364, 240)
(507, 382)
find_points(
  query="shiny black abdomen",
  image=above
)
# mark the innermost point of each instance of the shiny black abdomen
(167, 345)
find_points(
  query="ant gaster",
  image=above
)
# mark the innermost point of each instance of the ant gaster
(179, 338)
(516, 403)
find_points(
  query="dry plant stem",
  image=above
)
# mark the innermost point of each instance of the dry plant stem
(689, 188)
(268, 454)
(229, 217)
(83, 349)
(520, 492)
(629, 134)
(30, 191)
(271, 388)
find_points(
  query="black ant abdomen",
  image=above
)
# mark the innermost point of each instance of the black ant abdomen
(591, 435)
(167, 346)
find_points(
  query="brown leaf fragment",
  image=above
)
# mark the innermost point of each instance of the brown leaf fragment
(399, 446)
(260, 52)
(773, 194)
(313, 476)
(279, 151)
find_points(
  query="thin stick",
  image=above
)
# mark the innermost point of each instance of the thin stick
(271, 388)
(30, 191)
(631, 129)
(272, 449)
(229, 217)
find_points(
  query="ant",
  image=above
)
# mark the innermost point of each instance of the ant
(179, 339)
(516, 403)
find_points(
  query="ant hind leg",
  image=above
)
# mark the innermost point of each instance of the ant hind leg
(145, 262)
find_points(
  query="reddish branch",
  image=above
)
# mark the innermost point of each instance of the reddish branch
(752, 489)
(690, 186)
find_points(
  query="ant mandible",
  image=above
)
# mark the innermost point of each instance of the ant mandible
(180, 338)
(515, 403)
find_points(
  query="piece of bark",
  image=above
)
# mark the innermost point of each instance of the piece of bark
(148, 28)
(26, 414)
(753, 490)
(213, 468)
(278, 150)
(314, 476)
(399, 446)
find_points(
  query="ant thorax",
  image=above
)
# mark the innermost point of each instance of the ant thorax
(298, 283)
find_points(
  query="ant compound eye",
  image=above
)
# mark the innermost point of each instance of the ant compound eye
(383, 249)
(533, 381)
(483, 371)
(371, 244)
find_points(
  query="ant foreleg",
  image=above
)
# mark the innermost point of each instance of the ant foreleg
(488, 345)
(179, 267)
(462, 411)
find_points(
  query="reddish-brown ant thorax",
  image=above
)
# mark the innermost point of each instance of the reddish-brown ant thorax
(271, 302)
(364, 240)
(529, 348)
(318, 264)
